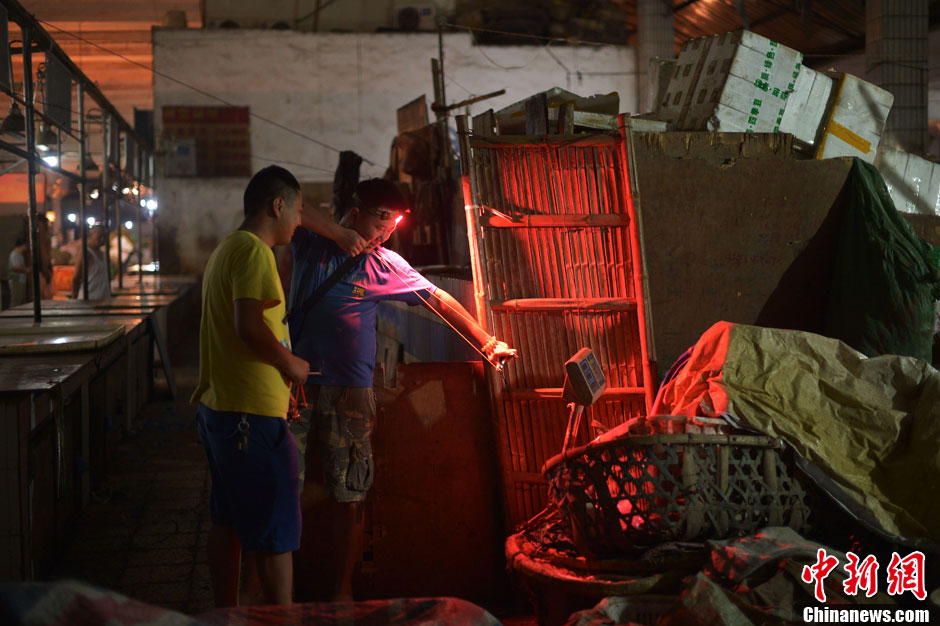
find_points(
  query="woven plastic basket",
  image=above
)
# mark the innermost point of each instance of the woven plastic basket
(638, 490)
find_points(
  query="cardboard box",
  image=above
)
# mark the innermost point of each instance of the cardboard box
(734, 82)
(856, 120)
(807, 109)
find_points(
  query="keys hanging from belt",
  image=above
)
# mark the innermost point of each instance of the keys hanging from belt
(298, 402)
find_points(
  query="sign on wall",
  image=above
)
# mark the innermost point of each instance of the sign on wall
(221, 136)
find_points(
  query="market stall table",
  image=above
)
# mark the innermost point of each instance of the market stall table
(58, 382)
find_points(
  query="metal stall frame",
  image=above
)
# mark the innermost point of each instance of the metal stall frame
(557, 259)
(37, 40)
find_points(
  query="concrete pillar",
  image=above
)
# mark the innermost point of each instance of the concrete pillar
(896, 60)
(655, 38)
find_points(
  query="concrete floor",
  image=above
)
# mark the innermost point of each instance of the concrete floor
(144, 533)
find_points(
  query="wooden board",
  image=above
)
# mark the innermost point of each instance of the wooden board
(746, 240)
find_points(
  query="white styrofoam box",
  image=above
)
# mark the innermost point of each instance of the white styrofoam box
(660, 73)
(892, 163)
(856, 120)
(740, 71)
(913, 182)
(806, 108)
(759, 111)
(917, 178)
(684, 78)
(932, 200)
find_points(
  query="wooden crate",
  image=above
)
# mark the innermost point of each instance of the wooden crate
(558, 265)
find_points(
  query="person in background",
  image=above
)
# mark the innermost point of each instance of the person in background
(99, 280)
(17, 272)
(45, 257)
(337, 336)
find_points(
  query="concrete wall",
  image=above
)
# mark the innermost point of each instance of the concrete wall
(342, 90)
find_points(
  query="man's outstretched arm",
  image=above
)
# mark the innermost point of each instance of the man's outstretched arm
(446, 305)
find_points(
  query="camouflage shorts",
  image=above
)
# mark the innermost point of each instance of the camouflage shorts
(340, 440)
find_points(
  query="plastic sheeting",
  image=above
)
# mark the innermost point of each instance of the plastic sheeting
(884, 280)
(751, 580)
(871, 425)
(79, 604)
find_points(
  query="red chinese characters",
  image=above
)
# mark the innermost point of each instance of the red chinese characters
(903, 574)
(817, 573)
(907, 574)
(862, 575)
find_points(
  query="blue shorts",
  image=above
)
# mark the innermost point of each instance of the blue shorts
(256, 490)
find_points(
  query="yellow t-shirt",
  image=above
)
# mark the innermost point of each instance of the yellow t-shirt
(231, 377)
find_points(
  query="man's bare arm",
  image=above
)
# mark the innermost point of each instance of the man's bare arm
(250, 327)
(493, 349)
(346, 238)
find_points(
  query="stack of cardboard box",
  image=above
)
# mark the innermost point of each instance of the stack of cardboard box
(743, 82)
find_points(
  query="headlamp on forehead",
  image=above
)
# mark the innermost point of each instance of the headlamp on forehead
(387, 214)
(382, 213)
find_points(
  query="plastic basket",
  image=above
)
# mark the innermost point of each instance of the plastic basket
(635, 491)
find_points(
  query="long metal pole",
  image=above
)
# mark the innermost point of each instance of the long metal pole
(153, 220)
(138, 165)
(105, 192)
(473, 238)
(119, 196)
(31, 168)
(83, 188)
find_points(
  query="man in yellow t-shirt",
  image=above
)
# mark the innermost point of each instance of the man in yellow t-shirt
(245, 367)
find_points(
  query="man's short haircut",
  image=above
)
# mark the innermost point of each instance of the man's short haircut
(19, 242)
(270, 183)
(378, 192)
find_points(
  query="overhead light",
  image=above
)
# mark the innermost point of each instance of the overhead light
(90, 165)
(47, 137)
(143, 202)
(152, 204)
(129, 225)
(71, 217)
(94, 194)
(50, 215)
(91, 221)
(135, 191)
(14, 122)
(51, 160)
(126, 190)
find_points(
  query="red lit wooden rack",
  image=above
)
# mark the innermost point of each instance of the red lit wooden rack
(556, 252)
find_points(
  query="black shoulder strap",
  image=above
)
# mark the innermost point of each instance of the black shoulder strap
(338, 274)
